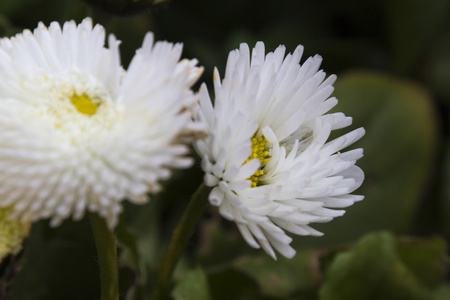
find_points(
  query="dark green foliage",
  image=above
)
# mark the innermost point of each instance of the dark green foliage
(380, 267)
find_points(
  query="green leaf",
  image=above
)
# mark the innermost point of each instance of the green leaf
(283, 277)
(193, 286)
(375, 269)
(57, 262)
(399, 148)
(426, 258)
(443, 293)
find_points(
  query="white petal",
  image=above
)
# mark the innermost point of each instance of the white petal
(216, 196)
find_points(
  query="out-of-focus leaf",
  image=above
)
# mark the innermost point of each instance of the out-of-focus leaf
(426, 258)
(283, 277)
(443, 293)
(59, 263)
(375, 269)
(399, 148)
(410, 25)
(193, 286)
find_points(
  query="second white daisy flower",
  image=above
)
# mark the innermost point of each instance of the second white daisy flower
(267, 156)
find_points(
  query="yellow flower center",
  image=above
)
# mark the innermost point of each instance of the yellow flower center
(84, 104)
(258, 151)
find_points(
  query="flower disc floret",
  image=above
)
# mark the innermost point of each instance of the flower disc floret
(259, 152)
(84, 104)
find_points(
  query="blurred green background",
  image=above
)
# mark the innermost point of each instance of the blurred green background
(392, 59)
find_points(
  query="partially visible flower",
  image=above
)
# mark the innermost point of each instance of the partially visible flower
(267, 156)
(78, 132)
(12, 233)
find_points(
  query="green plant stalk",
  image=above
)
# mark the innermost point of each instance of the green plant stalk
(107, 257)
(179, 240)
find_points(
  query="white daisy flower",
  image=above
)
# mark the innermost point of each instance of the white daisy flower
(267, 156)
(78, 132)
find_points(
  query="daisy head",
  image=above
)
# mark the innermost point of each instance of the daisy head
(79, 132)
(267, 156)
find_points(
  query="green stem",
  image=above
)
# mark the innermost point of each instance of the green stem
(179, 240)
(107, 257)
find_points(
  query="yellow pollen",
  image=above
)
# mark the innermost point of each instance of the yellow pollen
(260, 153)
(84, 104)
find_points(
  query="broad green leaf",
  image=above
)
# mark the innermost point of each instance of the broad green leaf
(193, 286)
(373, 269)
(399, 148)
(443, 293)
(426, 258)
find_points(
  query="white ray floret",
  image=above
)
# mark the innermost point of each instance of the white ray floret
(267, 156)
(78, 132)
